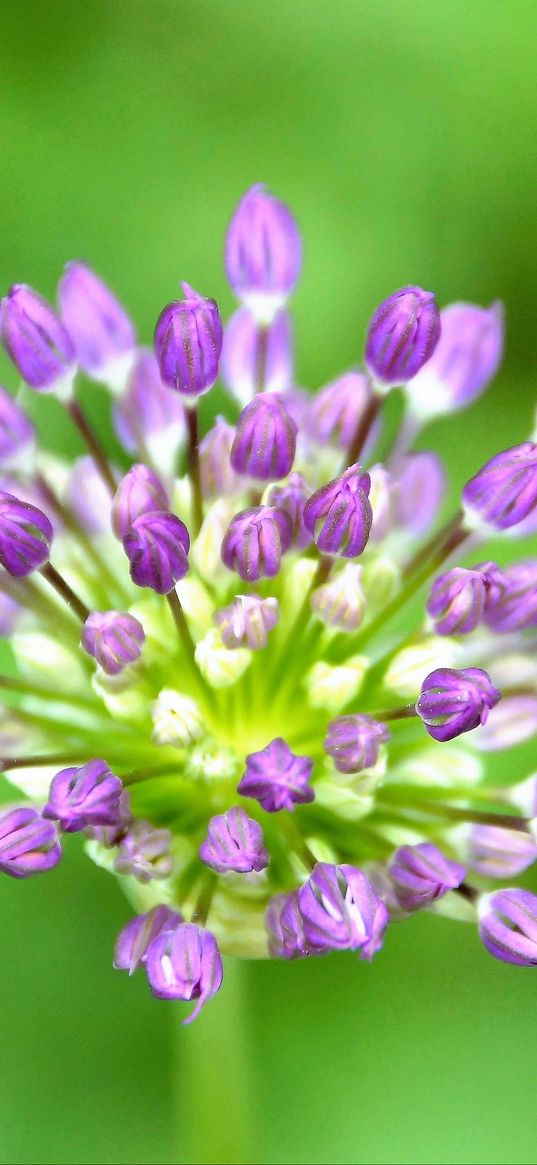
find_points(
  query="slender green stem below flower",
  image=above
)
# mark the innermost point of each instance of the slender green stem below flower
(66, 592)
(92, 442)
(363, 429)
(455, 813)
(193, 459)
(402, 713)
(203, 904)
(261, 353)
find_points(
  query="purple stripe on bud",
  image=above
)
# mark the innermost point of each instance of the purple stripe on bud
(136, 937)
(110, 835)
(291, 498)
(255, 541)
(247, 621)
(341, 911)
(496, 852)
(35, 338)
(457, 600)
(512, 722)
(185, 963)
(339, 515)
(254, 357)
(419, 487)
(452, 702)
(508, 926)
(144, 853)
(234, 842)
(188, 343)
(89, 497)
(402, 335)
(354, 742)
(512, 597)
(336, 410)
(340, 602)
(504, 492)
(139, 492)
(28, 844)
(17, 435)
(99, 326)
(25, 536)
(465, 359)
(265, 441)
(113, 638)
(277, 778)
(157, 547)
(285, 927)
(147, 408)
(421, 874)
(218, 478)
(263, 252)
(85, 796)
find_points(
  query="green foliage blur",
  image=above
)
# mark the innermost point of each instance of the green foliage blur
(402, 133)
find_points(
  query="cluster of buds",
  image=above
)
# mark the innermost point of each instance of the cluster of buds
(224, 622)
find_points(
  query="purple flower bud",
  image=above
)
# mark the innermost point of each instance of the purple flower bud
(99, 326)
(420, 485)
(148, 413)
(464, 361)
(113, 638)
(263, 253)
(457, 600)
(504, 492)
(144, 853)
(285, 927)
(256, 358)
(139, 492)
(218, 478)
(353, 742)
(452, 702)
(265, 441)
(247, 621)
(336, 410)
(136, 937)
(17, 435)
(496, 852)
(340, 602)
(277, 778)
(234, 842)
(35, 338)
(339, 515)
(28, 844)
(341, 910)
(157, 547)
(25, 536)
(512, 722)
(421, 875)
(402, 335)
(188, 342)
(110, 835)
(185, 963)
(255, 541)
(508, 926)
(89, 497)
(80, 797)
(512, 597)
(291, 498)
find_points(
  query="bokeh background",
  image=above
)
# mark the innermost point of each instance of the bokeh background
(402, 132)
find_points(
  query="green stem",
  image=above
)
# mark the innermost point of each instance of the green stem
(214, 1078)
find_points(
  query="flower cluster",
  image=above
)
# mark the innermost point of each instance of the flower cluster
(293, 754)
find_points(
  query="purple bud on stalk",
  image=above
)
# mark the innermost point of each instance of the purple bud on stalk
(28, 844)
(340, 602)
(421, 874)
(402, 335)
(139, 492)
(144, 853)
(336, 410)
(253, 357)
(263, 253)
(339, 515)
(157, 547)
(464, 361)
(255, 541)
(457, 600)
(291, 498)
(89, 497)
(148, 413)
(188, 343)
(110, 835)
(98, 325)
(504, 492)
(277, 778)
(265, 440)
(354, 742)
(512, 597)
(496, 852)
(185, 963)
(247, 621)
(113, 638)
(85, 796)
(234, 842)
(508, 926)
(35, 339)
(136, 937)
(512, 722)
(17, 435)
(25, 536)
(285, 927)
(452, 702)
(419, 487)
(341, 911)
(218, 478)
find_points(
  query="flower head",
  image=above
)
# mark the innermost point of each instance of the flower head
(452, 701)
(157, 546)
(25, 536)
(508, 926)
(402, 335)
(504, 492)
(28, 844)
(339, 515)
(89, 795)
(340, 910)
(277, 778)
(184, 963)
(35, 339)
(188, 343)
(263, 252)
(101, 331)
(265, 441)
(421, 874)
(234, 842)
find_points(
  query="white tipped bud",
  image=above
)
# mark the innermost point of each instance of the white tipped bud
(177, 719)
(410, 666)
(380, 497)
(220, 666)
(340, 602)
(332, 687)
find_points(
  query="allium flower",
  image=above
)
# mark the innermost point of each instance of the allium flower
(270, 671)
(463, 363)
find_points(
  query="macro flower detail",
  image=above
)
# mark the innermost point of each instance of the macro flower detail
(28, 843)
(263, 253)
(251, 359)
(465, 360)
(512, 600)
(247, 621)
(421, 874)
(113, 638)
(452, 701)
(80, 797)
(157, 546)
(101, 331)
(337, 408)
(255, 542)
(185, 963)
(35, 339)
(139, 492)
(188, 343)
(341, 911)
(504, 492)
(402, 335)
(265, 441)
(234, 842)
(277, 778)
(457, 600)
(144, 853)
(508, 926)
(25, 536)
(285, 926)
(136, 937)
(17, 435)
(353, 742)
(339, 515)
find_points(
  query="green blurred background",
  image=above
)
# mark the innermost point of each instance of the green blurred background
(402, 132)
